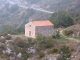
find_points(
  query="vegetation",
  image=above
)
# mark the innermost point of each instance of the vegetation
(8, 37)
(68, 32)
(75, 15)
(2, 40)
(14, 8)
(17, 17)
(61, 19)
(25, 55)
(42, 45)
(28, 13)
(20, 29)
(48, 42)
(14, 16)
(54, 50)
(39, 40)
(56, 34)
(62, 39)
(21, 43)
(41, 54)
(44, 42)
(31, 1)
(64, 53)
(21, 16)
(8, 29)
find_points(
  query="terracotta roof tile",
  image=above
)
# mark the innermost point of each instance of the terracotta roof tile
(42, 23)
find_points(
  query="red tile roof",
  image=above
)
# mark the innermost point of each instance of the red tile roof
(42, 23)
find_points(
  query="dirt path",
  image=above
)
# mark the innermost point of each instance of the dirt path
(72, 39)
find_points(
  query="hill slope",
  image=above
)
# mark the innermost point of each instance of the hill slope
(17, 16)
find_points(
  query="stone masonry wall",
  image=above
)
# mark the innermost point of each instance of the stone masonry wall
(44, 30)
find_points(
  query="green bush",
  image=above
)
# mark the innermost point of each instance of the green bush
(14, 8)
(48, 42)
(20, 29)
(7, 29)
(41, 54)
(54, 50)
(49, 45)
(57, 34)
(29, 40)
(17, 49)
(64, 53)
(61, 19)
(69, 32)
(39, 40)
(25, 56)
(21, 43)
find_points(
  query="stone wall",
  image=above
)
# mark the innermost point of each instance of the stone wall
(31, 28)
(44, 30)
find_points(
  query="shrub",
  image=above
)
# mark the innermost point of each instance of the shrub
(53, 36)
(57, 34)
(61, 19)
(48, 42)
(69, 32)
(14, 8)
(2, 40)
(54, 50)
(41, 54)
(48, 45)
(39, 38)
(25, 56)
(3, 47)
(21, 29)
(29, 40)
(21, 43)
(17, 49)
(64, 53)
(8, 37)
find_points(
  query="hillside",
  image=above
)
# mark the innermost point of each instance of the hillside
(60, 5)
(2, 2)
(76, 29)
(17, 15)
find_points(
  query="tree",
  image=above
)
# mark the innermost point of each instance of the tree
(61, 19)
(14, 8)
(28, 13)
(48, 42)
(39, 39)
(44, 42)
(57, 35)
(7, 29)
(64, 53)
(20, 29)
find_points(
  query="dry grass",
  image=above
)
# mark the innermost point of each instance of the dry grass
(76, 27)
(21, 36)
